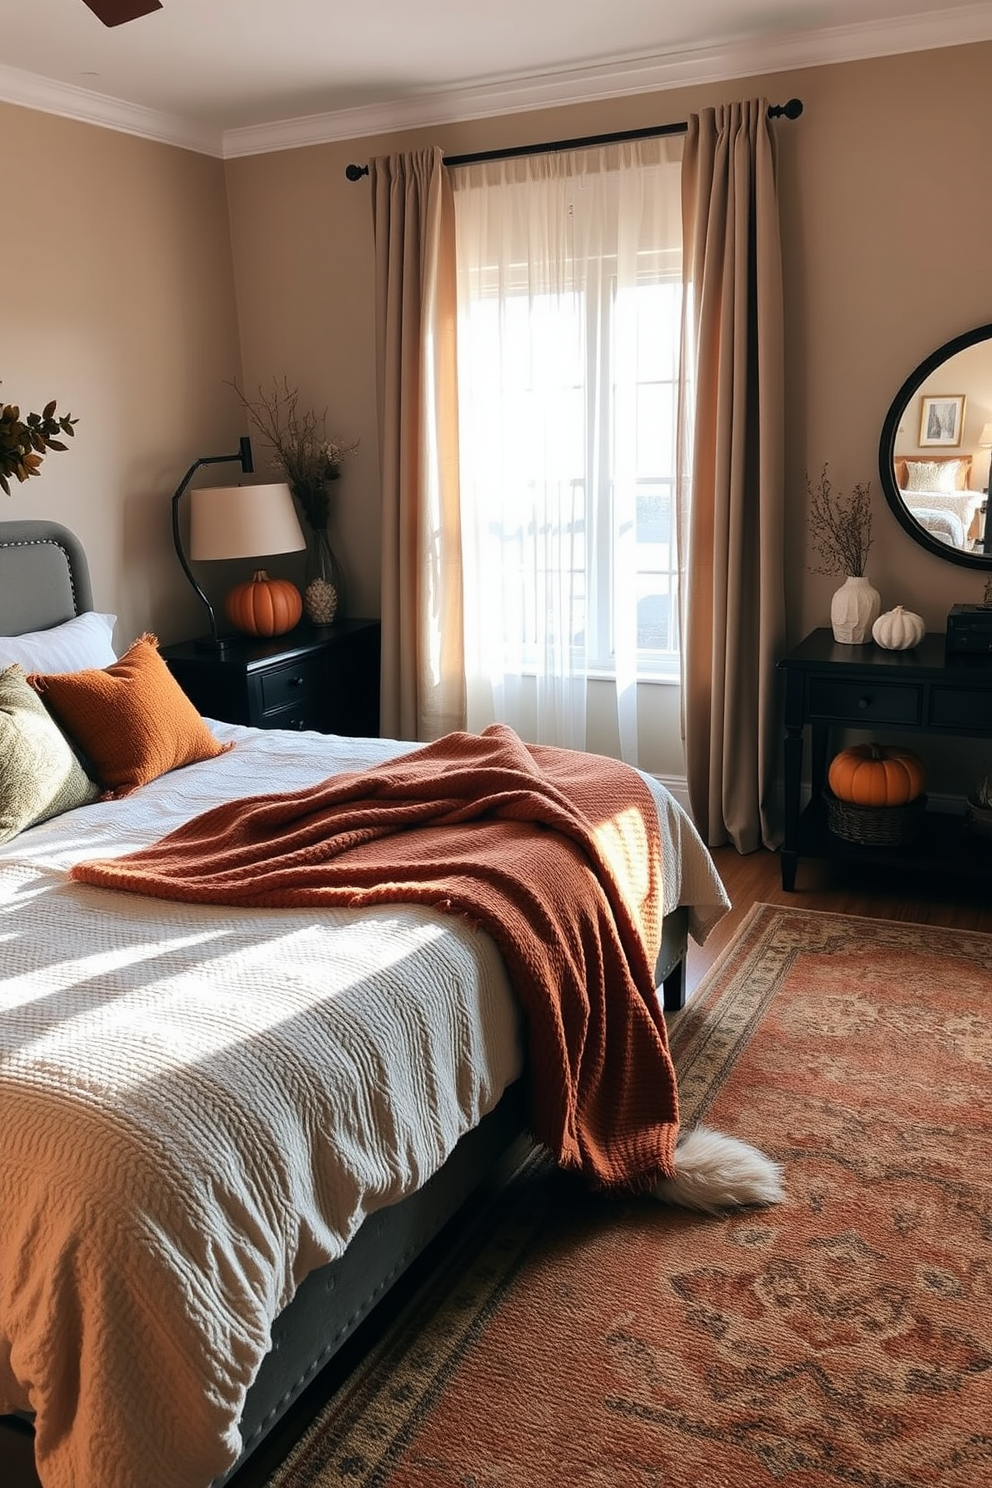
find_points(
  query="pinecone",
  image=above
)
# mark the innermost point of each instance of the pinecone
(320, 600)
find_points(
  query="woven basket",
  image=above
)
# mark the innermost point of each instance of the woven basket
(978, 819)
(875, 826)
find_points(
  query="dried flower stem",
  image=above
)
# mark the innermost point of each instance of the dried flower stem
(307, 457)
(839, 527)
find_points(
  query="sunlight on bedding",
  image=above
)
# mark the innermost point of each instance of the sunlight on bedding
(624, 843)
(206, 957)
(201, 1105)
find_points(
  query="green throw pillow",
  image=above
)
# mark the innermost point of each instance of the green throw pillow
(40, 775)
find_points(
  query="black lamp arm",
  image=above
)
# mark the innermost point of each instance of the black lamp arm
(243, 454)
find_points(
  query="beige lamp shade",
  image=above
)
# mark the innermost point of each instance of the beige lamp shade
(243, 522)
(985, 438)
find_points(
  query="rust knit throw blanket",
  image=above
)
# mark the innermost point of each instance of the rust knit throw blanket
(554, 853)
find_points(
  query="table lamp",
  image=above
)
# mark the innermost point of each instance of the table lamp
(985, 442)
(234, 522)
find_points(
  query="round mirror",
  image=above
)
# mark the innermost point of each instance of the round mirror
(933, 458)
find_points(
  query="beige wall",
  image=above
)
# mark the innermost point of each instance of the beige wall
(118, 300)
(126, 310)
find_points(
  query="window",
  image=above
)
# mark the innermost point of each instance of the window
(569, 317)
(647, 316)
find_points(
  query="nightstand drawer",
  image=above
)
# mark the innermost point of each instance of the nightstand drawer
(868, 701)
(306, 715)
(292, 685)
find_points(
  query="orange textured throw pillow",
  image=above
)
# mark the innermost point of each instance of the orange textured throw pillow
(131, 720)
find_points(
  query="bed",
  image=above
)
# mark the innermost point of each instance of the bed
(936, 492)
(941, 520)
(282, 1107)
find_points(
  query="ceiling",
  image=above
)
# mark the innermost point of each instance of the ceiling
(231, 77)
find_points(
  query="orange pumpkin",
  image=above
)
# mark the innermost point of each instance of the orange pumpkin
(876, 775)
(264, 606)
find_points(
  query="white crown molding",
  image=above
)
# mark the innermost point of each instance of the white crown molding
(956, 26)
(31, 91)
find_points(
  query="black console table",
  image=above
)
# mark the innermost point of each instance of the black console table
(831, 686)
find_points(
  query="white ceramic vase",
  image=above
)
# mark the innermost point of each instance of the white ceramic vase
(853, 611)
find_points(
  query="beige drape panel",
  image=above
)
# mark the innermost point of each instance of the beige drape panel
(423, 688)
(731, 479)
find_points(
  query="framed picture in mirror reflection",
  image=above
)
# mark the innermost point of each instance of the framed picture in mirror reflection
(941, 419)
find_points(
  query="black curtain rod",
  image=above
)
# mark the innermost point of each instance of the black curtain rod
(790, 110)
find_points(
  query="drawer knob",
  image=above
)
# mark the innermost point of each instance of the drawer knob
(864, 702)
(296, 681)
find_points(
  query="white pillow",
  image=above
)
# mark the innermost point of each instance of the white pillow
(952, 476)
(73, 647)
(922, 475)
(933, 475)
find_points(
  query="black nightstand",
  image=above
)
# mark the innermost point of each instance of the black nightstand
(315, 677)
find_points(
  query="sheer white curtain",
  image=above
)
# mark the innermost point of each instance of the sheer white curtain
(569, 299)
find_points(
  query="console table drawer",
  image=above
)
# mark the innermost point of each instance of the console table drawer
(871, 702)
(960, 708)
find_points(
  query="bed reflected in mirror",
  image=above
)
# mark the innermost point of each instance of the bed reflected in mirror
(935, 451)
(938, 494)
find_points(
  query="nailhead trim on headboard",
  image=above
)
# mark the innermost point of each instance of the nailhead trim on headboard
(36, 542)
(52, 590)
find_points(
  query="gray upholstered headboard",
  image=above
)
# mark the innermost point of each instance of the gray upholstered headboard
(44, 576)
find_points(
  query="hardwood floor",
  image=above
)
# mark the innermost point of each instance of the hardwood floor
(924, 899)
(756, 878)
(16, 1458)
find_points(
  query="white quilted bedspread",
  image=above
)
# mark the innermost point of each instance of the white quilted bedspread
(199, 1105)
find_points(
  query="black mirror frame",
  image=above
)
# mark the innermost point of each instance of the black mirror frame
(887, 445)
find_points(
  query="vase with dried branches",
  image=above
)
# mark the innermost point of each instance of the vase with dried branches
(840, 536)
(310, 461)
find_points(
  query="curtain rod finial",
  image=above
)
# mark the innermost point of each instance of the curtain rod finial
(791, 110)
(356, 172)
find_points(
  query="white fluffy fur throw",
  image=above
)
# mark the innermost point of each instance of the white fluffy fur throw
(714, 1172)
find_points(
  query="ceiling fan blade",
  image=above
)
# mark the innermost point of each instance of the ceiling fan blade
(116, 12)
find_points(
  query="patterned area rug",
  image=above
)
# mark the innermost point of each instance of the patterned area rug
(844, 1338)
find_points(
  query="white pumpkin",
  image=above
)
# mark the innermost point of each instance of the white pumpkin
(898, 629)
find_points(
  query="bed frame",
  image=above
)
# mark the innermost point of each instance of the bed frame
(44, 581)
